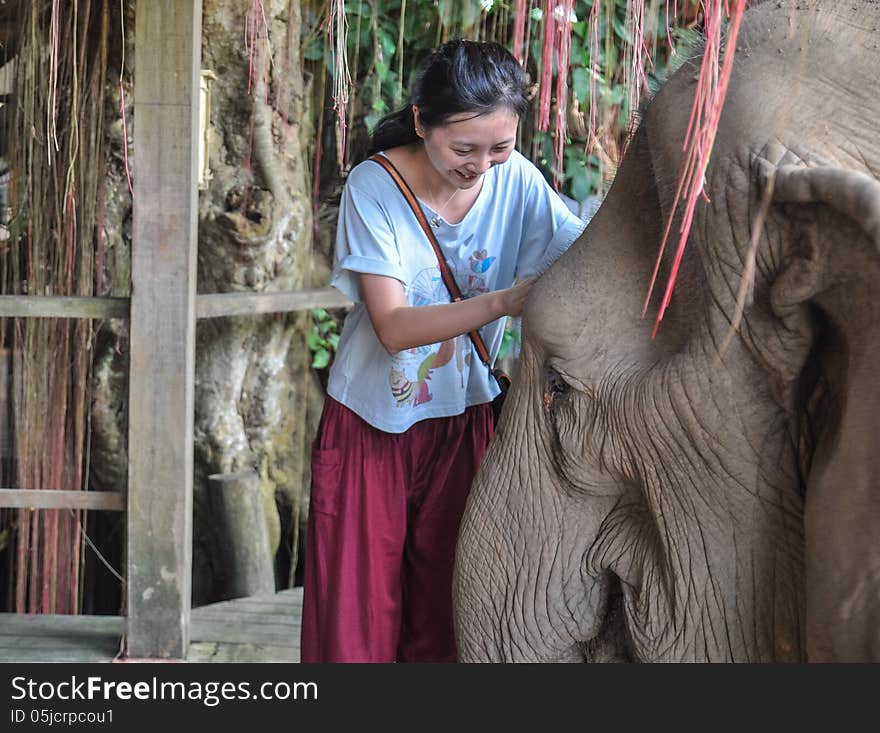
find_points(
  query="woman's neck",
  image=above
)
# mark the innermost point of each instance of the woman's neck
(445, 198)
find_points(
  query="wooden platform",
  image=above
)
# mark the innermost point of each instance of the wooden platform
(255, 629)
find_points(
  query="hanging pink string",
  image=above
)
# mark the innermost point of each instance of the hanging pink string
(546, 68)
(594, 75)
(712, 83)
(54, 53)
(519, 30)
(338, 33)
(124, 135)
(639, 56)
(563, 58)
(256, 28)
(122, 99)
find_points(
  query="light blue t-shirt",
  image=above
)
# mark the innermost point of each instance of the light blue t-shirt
(516, 228)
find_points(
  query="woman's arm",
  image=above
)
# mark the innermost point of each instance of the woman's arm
(400, 326)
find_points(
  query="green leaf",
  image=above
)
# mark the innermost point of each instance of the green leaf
(580, 78)
(314, 341)
(314, 50)
(333, 340)
(389, 46)
(322, 359)
(580, 185)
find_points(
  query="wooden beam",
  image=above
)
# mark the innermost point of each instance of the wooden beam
(162, 349)
(112, 501)
(246, 304)
(46, 624)
(50, 306)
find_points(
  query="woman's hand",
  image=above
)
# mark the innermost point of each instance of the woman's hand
(400, 326)
(512, 299)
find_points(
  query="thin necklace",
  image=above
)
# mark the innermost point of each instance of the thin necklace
(435, 220)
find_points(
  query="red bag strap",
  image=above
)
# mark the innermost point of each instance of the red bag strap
(445, 272)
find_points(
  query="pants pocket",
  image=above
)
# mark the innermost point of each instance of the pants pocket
(326, 480)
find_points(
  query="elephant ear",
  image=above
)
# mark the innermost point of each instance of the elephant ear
(833, 272)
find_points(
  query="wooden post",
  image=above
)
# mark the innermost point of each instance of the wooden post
(165, 121)
(237, 499)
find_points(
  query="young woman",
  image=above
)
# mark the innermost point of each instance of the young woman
(407, 417)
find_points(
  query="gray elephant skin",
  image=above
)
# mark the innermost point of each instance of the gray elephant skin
(677, 498)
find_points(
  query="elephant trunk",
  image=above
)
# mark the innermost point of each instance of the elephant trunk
(519, 596)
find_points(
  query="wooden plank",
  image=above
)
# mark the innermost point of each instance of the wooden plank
(235, 633)
(254, 605)
(76, 656)
(248, 304)
(287, 609)
(204, 651)
(25, 624)
(60, 643)
(112, 501)
(162, 347)
(47, 306)
(286, 617)
(292, 606)
(282, 597)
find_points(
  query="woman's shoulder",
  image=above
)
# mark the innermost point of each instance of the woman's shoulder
(521, 170)
(368, 172)
(518, 176)
(366, 176)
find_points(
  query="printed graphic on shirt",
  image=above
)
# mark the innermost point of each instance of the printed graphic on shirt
(477, 278)
(411, 370)
(427, 288)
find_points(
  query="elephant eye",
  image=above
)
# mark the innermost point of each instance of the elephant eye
(554, 386)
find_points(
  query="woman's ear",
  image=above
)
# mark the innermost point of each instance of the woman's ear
(419, 129)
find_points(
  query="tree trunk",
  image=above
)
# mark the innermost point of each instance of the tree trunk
(253, 374)
(255, 233)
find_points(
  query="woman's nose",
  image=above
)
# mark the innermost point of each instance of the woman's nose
(483, 164)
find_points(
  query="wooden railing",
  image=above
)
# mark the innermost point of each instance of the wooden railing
(208, 305)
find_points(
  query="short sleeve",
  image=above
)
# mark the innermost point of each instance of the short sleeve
(365, 242)
(549, 226)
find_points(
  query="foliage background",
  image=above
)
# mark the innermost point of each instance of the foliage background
(387, 39)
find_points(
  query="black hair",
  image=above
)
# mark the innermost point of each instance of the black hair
(459, 76)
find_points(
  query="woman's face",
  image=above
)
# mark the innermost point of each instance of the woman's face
(466, 146)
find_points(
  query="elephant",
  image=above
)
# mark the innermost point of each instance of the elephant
(710, 492)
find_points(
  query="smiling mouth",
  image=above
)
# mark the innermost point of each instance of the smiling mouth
(466, 176)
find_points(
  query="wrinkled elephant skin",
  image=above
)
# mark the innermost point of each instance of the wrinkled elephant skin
(681, 498)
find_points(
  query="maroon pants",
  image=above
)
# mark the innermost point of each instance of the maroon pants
(383, 523)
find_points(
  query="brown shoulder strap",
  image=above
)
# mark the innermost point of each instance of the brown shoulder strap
(445, 272)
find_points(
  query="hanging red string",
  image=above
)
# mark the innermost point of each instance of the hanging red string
(563, 25)
(338, 35)
(594, 75)
(703, 125)
(546, 68)
(519, 30)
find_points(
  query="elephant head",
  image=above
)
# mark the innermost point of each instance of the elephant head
(694, 496)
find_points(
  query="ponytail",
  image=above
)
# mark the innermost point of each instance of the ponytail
(393, 130)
